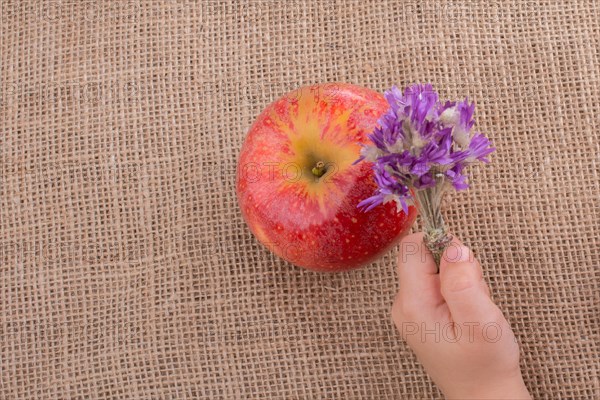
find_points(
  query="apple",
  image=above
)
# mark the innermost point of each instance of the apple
(298, 187)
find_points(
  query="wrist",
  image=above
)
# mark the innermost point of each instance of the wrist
(513, 389)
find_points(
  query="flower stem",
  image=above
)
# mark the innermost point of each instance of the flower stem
(436, 236)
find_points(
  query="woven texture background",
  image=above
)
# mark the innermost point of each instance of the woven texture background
(126, 269)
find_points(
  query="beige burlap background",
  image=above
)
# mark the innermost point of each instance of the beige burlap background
(127, 271)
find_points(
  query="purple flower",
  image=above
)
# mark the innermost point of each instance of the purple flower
(393, 97)
(479, 147)
(421, 142)
(389, 189)
(438, 152)
(420, 100)
(424, 182)
(466, 111)
(456, 178)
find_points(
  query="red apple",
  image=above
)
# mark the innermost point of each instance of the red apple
(298, 188)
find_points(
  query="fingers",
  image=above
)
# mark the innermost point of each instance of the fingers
(419, 282)
(463, 287)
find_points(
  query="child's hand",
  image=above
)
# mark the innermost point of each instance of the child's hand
(457, 332)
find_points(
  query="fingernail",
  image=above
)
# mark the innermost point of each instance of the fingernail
(457, 253)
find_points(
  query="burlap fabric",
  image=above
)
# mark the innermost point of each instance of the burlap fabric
(127, 271)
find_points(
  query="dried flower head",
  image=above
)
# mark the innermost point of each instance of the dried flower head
(420, 149)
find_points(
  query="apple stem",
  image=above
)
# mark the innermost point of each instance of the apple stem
(319, 169)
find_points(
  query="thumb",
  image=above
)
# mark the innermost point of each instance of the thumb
(463, 287)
